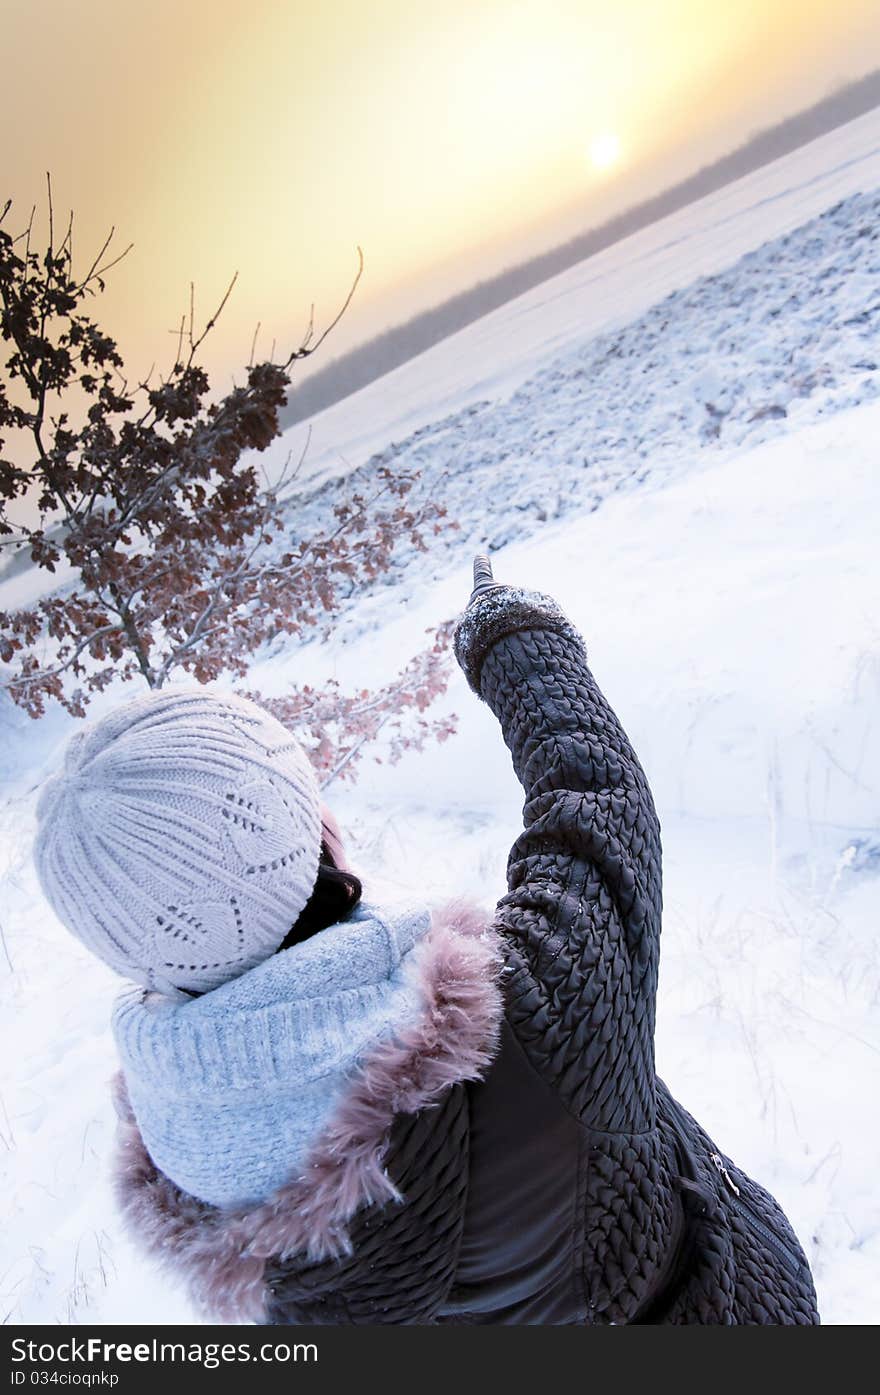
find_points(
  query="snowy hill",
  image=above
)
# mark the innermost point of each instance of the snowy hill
(493, 357)
(723, 568)
(790, 333)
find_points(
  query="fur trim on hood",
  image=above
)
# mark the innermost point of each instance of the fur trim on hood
(222, 1253)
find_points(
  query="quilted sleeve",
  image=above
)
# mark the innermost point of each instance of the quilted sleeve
(581, 917)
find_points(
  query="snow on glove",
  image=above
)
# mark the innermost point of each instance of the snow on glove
(495, 610)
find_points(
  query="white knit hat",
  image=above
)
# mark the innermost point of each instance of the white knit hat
(182, 839)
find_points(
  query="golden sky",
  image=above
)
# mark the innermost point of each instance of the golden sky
(273, 136)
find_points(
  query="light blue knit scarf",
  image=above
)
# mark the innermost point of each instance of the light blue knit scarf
(230, 1089)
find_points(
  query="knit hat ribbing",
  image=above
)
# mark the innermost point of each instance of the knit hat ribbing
(181, 840)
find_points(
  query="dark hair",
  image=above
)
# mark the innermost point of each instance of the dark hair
(334, 896)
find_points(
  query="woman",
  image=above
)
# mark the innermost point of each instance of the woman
(341, 1110)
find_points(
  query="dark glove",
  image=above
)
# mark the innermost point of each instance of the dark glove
(518, 608)
(483, 580)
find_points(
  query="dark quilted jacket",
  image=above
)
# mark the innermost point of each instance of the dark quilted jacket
(566, 1186)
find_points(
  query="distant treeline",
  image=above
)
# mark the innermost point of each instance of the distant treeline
(388, 350)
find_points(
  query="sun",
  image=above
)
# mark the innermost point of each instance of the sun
(604, 150)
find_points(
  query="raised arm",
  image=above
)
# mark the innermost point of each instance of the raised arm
(581, 917)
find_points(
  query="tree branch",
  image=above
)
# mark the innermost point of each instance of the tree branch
(27, 679)
(305, 351)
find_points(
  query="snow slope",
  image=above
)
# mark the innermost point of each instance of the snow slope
(790, 333)
(727, 588)
(495, 355)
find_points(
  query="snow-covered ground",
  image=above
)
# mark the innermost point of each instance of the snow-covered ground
(727, 584)
(490, 359)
